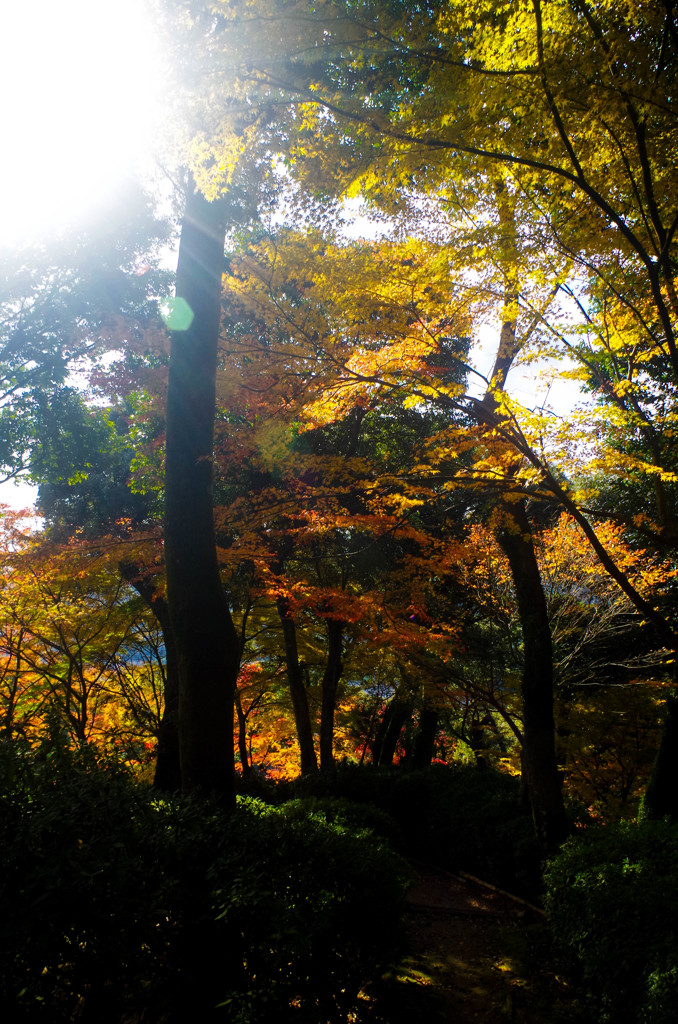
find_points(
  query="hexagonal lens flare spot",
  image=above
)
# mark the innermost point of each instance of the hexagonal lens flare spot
(177, 314)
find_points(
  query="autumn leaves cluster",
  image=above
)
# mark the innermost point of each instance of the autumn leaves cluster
(417, 564)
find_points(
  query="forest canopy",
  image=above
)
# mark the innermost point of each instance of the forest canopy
(293, 491)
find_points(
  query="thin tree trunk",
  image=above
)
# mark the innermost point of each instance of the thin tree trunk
(168, 766)
(477, 742)
(242, 737)
(295, 678)
(207, 645)
(540, 768)
(10, 707)
(539, 752)
(330, 684)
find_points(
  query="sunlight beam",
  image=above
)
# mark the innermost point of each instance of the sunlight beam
(80, 84)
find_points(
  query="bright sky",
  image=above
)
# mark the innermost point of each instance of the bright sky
(81, 96)
(80, 92)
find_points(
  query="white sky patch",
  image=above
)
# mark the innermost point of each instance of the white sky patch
(18, 494)
(359, 223)
(81, 85)
(537, 386)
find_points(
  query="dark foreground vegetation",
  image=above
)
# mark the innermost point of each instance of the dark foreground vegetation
(119, 905)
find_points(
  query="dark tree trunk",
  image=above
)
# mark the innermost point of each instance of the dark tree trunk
(12, 691)
(167, 766)
(330, 684)
(295, 678)
(425, 740)
(540, 769)
(242, 737)
(397, 712)
(661, 795)
(539, 753)
(207, 645)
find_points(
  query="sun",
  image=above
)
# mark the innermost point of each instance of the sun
(81, 88)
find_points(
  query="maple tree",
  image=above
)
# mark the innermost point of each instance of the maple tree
(348, 411)
(75, 648)
(353, 381)
(86, 493)
(435, 101)
(301, 526)
(310, 507)
(409, 353)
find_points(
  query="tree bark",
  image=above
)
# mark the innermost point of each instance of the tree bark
(330, 684)
(207, 645)
(661, 796)
(539, 752)
(424, 741)
(302, 717)
(242, 737)
(540, 766)
(397, 712)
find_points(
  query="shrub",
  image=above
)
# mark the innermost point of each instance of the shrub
(612, 899)
(78, 887)
(318, 904)
(117, 905)
(455, 817)
(356, 817)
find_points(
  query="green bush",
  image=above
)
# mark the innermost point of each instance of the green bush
(78, 886)
(357, 817)
(320, 902)
(612, 899)
(119, 906)
(456, 817)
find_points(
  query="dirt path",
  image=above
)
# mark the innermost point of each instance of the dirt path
(476, 955)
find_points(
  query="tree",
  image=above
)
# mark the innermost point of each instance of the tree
(65, 618)
(571, 102)
(401, 354)
(64, 305)
(207, 646)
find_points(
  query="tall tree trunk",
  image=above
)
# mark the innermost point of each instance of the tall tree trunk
(207, 644)
(330, 684)
(539, 751)
(539, 754)
(396, 714)
(295, 678)
(424, 741)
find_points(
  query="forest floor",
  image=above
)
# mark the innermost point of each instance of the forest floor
(476, 956)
